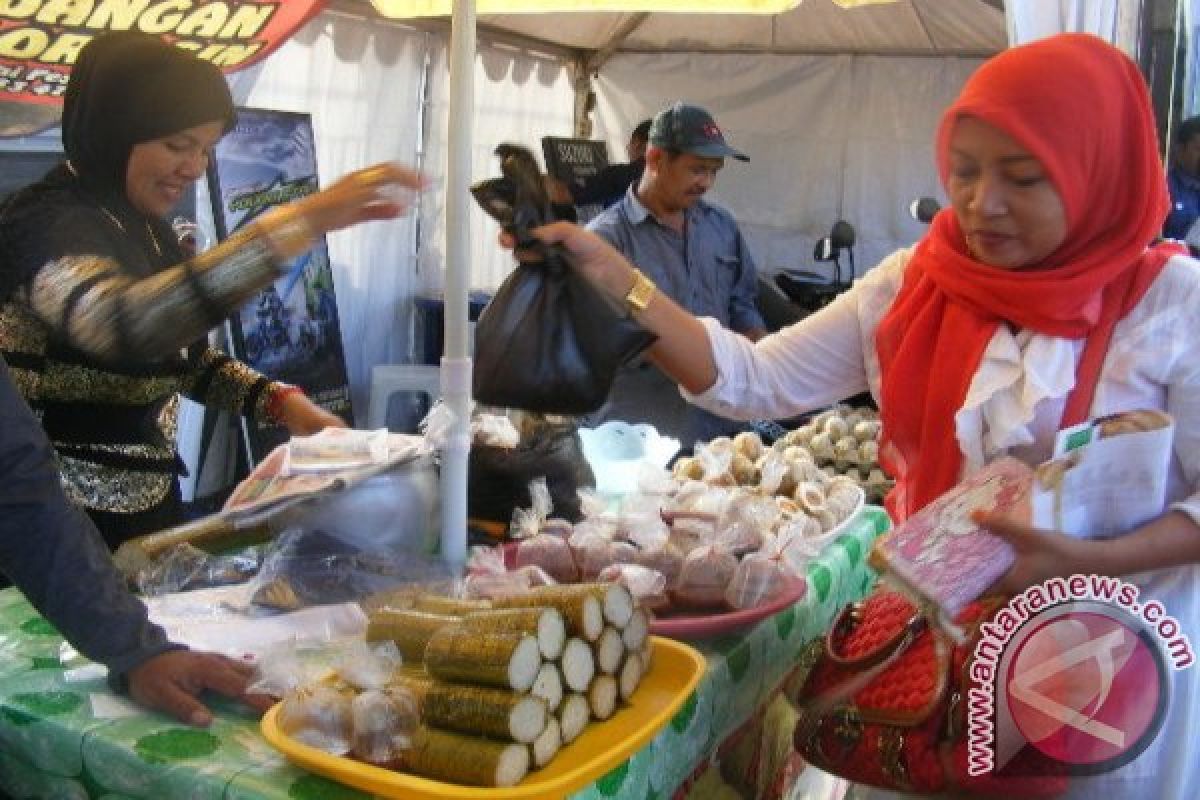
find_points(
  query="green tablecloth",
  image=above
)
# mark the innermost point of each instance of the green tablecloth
(54, 744)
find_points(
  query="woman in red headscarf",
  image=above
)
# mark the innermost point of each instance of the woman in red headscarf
(1036, 301)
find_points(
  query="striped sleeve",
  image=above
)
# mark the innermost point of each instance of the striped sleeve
(221, 381)
(87, 301)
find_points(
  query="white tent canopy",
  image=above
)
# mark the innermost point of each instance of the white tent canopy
(903, 27)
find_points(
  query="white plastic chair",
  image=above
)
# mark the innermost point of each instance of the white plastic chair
(390, 379)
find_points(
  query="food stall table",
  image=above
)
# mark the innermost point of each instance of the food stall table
(63, 734)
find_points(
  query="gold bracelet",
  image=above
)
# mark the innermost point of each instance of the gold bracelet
(289, 235)
(641, 293)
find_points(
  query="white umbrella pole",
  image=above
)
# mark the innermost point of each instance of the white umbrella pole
(456, 361)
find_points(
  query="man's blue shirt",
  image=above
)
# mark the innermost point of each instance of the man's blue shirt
(1185, 203)
(708, 269)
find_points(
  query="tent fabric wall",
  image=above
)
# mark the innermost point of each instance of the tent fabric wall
(829, 137)
(1116, 21)
(362, 83)
(1191, 77)
(519, 97)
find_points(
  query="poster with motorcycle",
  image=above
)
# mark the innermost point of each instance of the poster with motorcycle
(290, 331)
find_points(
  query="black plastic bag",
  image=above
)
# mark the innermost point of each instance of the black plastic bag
(548, 341)
(499, 477)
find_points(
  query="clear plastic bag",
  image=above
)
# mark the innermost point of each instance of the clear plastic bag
(594, 551)
(187, 567)
(716, 460)
(494, 586)
(527, 522)
(648, 586)
(381, 725)
(398, 510)
(666, 560)
(319, 716)
(687, 533)
(655, 481)
(494, 430)
(548, 550)
(339, 697)
(705, 574)
(283, 669)
(645, 530)
(793, 547)
(775, 474)
(369, 667)
(312, 567)
(550, 553)
(699, 497)
(745, 520)
(759, 578)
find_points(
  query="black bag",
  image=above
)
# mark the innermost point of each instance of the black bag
(499, 477)
(548, 341)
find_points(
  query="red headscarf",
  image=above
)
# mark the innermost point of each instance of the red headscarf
(1080, 106)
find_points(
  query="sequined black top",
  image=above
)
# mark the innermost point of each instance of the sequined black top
(100, 332)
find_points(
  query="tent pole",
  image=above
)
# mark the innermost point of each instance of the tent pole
(581, 83)
(456, 361)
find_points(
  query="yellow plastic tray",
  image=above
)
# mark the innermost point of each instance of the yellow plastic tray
(675, 671)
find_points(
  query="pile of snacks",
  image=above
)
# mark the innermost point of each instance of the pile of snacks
(487, 690)
(845, 441)
(732, 527)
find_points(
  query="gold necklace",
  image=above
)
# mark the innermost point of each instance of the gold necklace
(120, 225)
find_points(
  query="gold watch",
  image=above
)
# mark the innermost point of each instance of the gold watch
(643, 289)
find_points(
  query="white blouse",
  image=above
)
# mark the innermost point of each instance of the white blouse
(1013, 406)
(1015, 401)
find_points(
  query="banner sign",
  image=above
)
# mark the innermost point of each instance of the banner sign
(290, 331)
(40, 39)
(574, 161)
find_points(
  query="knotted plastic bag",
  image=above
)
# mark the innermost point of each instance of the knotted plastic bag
(548, 341)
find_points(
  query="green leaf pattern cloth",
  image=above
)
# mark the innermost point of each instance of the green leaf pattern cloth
(52, 744)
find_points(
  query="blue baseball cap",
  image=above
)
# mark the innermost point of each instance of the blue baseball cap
(690, 129)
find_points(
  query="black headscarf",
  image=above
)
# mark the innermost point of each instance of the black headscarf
(125, 88)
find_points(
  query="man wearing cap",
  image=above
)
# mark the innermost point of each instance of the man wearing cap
(695, 254)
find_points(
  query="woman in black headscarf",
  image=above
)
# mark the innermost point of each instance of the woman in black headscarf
(102, 308)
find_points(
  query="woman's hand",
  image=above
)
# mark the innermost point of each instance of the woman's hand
(373, 193)
(1041, 554)
(303, 417)
(595, 259)
(172, 680)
